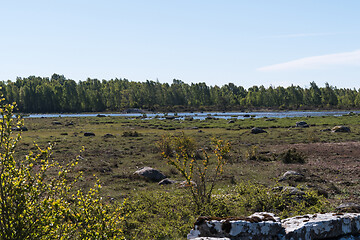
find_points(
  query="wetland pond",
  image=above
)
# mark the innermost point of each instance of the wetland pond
(203, 115)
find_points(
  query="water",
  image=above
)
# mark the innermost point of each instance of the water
(204, 115)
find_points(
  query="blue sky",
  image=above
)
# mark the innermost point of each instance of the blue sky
(259, 42)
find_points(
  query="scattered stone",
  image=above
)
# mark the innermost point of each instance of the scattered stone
(150, 174)
(340, 129)
(185, 184)
(257, 130)
(291, 175)
(69, 124)
(302, 124)
(56, 123)
(100, 115)
(231, 121)
(349, 207)
(22, 128)
(246, 116)
(89, 134)
(166, 181)
(109, 135)
(270, 119)
(64, 134)
(292, 191)
(200, 131)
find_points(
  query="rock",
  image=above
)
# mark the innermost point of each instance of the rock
(321, 226)
(22, 128)
(349, 207)
(257, 226)
(257, 130)
(336, 226)
(340, 129)
(100, 115)
(291, 175)
(56, 123)
(270, 119)
(302, 124)
(292, 191)
(69, 124)
(166, 181)
(246, 116)
(231, 121)
(185, 184)
(109, 135)
(150, 174)
(89, 134)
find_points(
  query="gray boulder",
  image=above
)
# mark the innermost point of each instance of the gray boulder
(292, 175)
(257, 130)
(302, 124)
(340, 129)
(150, 174)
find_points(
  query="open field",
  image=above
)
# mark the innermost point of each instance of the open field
(251, 176)
(332, 159)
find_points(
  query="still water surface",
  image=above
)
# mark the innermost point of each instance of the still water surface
(203, 115)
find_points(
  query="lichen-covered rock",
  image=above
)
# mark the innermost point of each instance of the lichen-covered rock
(321, 226)
(257, 226)
(150, 173)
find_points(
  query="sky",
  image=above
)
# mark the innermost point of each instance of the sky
(245, 42)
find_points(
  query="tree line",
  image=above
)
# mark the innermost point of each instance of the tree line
(58, 94)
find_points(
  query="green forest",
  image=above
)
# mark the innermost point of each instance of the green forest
(59, 94)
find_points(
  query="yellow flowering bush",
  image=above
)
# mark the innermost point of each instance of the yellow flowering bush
(35, 204)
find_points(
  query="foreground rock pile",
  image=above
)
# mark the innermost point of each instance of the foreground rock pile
(336, 226)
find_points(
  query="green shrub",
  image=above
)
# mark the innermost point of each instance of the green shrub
(34, 205)
(253, 153)
(165, 215)
(292, 156)
(248, 198)
(130, 134)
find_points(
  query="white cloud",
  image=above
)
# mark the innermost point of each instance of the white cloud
(317, 62)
